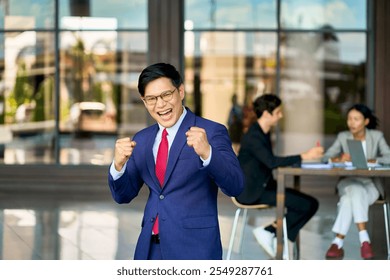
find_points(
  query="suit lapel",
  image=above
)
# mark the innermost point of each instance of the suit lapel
(344, 144)
(369, 145)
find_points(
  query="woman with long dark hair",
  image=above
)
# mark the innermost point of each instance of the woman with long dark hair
(357, 193)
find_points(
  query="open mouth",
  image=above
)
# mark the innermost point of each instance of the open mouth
(164, 113)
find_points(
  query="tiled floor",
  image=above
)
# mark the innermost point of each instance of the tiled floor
(74, 226)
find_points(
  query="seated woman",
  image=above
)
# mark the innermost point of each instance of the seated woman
(357, 193)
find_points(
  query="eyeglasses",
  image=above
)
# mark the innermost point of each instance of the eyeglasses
(165, 96)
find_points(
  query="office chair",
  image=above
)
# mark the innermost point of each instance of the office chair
(245, 208)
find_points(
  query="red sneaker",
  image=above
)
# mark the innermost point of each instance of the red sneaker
(366, 251)
(334, 253)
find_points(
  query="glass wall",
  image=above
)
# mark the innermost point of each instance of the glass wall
(69, 70)
(68, 84)
(220, 64)
(27, 81)
(313, 54)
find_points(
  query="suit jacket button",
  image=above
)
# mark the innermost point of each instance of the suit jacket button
(152, 220)
(162, 197)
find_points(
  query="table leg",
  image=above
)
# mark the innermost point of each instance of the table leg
(280, 197)
(297, 183)
(297, 186)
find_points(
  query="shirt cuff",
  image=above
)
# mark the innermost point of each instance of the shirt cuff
(117, 174)
(206, 161)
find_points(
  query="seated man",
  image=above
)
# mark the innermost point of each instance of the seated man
(257, 161)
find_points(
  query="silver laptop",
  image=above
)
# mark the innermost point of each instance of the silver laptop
(358, 158)
(356, 152)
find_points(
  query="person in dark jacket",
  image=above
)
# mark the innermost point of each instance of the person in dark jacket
(257, 160)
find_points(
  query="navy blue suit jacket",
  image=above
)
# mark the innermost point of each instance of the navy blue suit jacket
(187, 202)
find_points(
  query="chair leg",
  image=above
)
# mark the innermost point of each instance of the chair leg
(296, 251)
(387, 221)
(233, 233)
(244, 221)
(285, 239)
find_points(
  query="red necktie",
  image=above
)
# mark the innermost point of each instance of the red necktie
(161, 166)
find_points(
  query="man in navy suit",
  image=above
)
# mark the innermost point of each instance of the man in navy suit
(200, 160)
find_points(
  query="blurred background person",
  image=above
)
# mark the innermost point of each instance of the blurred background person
(258, 161)
(235, 125)
(357, 193)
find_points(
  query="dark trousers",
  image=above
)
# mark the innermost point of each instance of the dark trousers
(300, 208)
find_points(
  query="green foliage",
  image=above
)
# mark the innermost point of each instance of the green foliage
(23, 90)
(97, 92)
(334, 121)
(11, 106)
(44, 101)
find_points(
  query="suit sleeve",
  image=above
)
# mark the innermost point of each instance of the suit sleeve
(384, 150)
(224, 168)
(266, 156)
(334, 150)
(126, 187)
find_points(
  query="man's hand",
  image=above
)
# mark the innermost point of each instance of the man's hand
(313, 153)
(123, 149)
(197, 139)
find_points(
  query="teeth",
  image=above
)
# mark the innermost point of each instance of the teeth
(164, 113)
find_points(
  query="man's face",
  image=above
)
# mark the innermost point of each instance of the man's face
(276, 115)
(166, 113)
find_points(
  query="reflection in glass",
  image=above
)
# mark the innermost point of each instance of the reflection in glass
(87, 101)
(73, 226)
(99, 72)
(28, 92)
(26, 14)
(83, 232)
(322, 74)
(129, 14)
(219, 64)
(50, 232)
(309, 14)
(23, 222)
(231, 14)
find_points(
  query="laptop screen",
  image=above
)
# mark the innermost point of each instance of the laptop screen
(357, 154)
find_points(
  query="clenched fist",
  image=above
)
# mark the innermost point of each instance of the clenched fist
(197, 139)
(123, 149)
